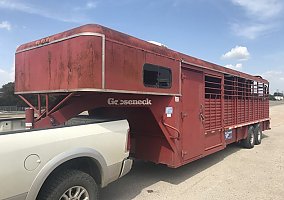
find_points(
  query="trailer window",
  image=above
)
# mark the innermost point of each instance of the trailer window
(157, 76)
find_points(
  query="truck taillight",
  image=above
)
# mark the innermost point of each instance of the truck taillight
(128, 141)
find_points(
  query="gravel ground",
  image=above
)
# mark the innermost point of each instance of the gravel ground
(275, 103)
(234, 173)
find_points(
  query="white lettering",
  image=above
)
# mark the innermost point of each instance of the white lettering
(123, 102)
(112, 101)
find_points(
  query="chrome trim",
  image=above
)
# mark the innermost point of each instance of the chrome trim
(74, 36)
(97, 90)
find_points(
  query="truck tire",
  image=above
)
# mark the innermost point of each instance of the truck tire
(71, 184)
(250, 140)
(258, 134)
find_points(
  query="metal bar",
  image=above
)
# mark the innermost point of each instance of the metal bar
(217, 145)
(103, 61)
(39, 104)
(167, 136)
(97, 90)
(248, 123)
(61, 102)
(222, 101)
(29, 104)
(46, 104)
(220, 71)
(171, 127)
(40, 116)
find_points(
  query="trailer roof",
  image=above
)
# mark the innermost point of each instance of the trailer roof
(119, 37)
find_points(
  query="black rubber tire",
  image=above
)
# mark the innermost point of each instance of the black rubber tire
(257, 134)
(59, 183)
(250, 140)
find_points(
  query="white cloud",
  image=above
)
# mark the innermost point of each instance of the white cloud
(238, 66)
(91, 4)
(237, 53)
(16, 6)
(63, 15)
(276, 80)
(5, 25)
(88, 6)
(251, 31)
(262, 17)
(263, 9)
(6, 76)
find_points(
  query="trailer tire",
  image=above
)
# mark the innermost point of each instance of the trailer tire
(68, 185)
(250, 140)
(258, 134)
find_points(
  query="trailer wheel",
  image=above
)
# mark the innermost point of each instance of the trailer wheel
(250, 140)
(257, 134)
(71, 184)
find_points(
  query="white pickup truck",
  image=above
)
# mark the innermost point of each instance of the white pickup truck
(62, 163)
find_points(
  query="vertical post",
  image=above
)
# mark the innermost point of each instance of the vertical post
(257, 101)
(222, 100)
(46, 104)
(29, 112)
(39, 104)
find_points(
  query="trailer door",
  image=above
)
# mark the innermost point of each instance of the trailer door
(192, 113)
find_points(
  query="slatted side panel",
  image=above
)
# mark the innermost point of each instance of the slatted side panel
(244, 100)
(213, 103)
(229, 101)
(263, 96)
(241, 100)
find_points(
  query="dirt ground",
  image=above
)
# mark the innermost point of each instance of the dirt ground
(234, 173)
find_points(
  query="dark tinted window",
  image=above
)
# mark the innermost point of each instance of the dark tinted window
(157, 76)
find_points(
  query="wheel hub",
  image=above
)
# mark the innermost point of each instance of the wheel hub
(75, 193)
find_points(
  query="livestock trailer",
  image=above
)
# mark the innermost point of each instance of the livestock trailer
(179, 108)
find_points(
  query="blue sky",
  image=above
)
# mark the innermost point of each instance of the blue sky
(247, 35)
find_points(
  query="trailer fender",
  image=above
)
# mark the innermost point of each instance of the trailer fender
(61, 159)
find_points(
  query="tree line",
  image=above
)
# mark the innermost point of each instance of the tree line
(8, 98)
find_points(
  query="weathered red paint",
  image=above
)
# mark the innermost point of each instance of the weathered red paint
(29, 112)
(95, 68)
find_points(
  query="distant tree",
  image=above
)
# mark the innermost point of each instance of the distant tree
(7, 97)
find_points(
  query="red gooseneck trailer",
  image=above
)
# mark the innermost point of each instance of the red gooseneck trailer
(179, 108)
